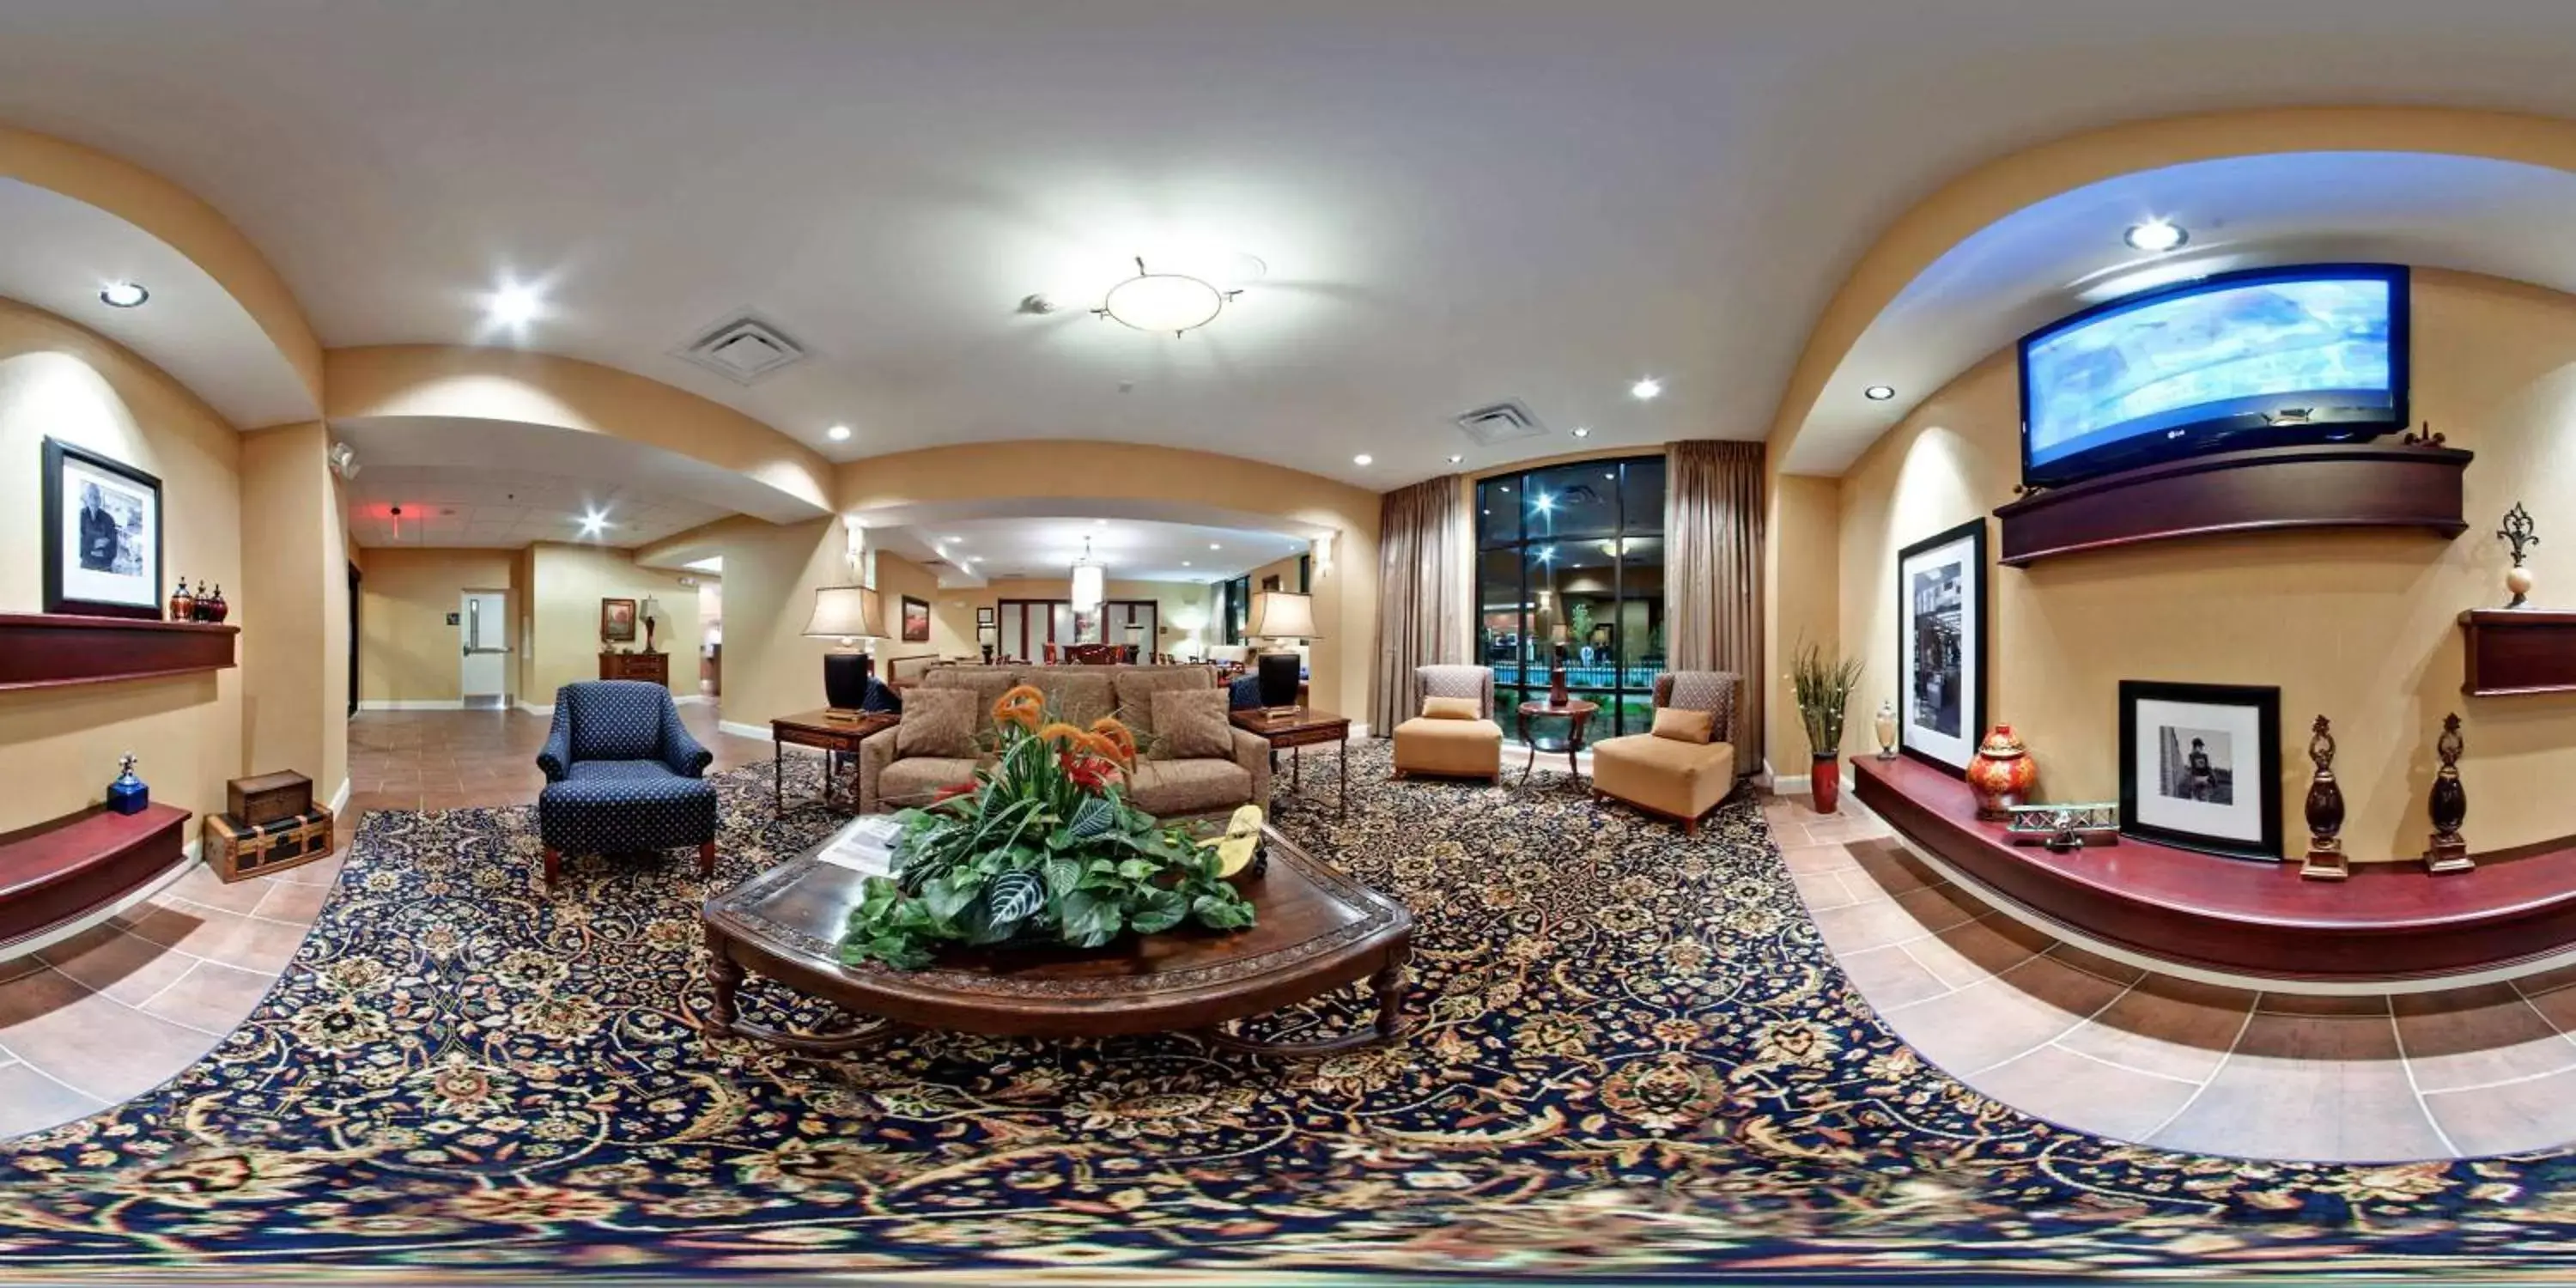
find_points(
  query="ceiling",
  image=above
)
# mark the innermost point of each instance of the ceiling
(452, 506)
(1457, 201)
(989, 549)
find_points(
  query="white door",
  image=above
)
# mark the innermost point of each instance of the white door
(481, 629)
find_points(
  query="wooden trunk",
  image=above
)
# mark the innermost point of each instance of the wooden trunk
(267, 798)
(238, 850)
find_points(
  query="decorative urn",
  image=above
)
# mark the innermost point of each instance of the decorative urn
(2001, 774)
(1884, 725)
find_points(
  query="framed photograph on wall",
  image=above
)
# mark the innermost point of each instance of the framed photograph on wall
(2200, 767)
(617, 621)
(916, 620)
(983, 618)
(1941, 646)
(102, 546)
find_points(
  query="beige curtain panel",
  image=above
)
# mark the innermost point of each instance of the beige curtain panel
(1713, 574)
(1422, 613)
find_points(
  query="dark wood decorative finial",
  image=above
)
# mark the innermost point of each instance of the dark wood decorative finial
(2325, 860)
(2517, 532)
(2450, 804)
(2423, 437)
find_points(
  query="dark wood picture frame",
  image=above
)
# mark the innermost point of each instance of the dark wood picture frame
(986, 619)
(58, 455)
(611, 628)
(1972, 609)
(916, 625)
(2265, 702)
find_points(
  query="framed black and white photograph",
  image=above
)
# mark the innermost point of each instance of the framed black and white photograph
(984, 619)
(1941, 646)
(102, 546)
(2200, 767)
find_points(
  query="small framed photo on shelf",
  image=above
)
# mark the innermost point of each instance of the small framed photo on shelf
(102, 546)
(1941, 647)
(916, 620)
(617, 621)
(2200, 767)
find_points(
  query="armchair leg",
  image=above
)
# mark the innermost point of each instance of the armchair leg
(707, 859)
(554, 866)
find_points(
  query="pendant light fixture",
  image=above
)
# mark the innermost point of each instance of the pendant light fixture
(1089, 586)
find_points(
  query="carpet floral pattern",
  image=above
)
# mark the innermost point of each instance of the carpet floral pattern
(1629, 1055)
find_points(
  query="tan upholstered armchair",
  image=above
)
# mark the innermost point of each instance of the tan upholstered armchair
(1456, 735)
(1679, 778)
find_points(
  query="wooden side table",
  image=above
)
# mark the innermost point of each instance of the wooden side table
(1578, 711)
(1301, 727)
(835, 735)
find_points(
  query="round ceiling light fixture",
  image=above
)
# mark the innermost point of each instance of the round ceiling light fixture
(1582, 431)
(1879, 393)
(1363, 459)
(1646, 389)
(838, 433)
(122, 294)
(2156, 236)
(1174, 302)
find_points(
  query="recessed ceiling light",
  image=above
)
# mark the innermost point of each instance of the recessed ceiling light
(123, 294)
(1454, 458)
(2156, 235)
(976, 559)
(1363, 459)
(513, 305)
(837, 433)
(1185, 563)
(947, 539)
(1214, 546)
(1582, 432)
(1879, 393)
(592, 522)
(1100, 523)
(1647, 387)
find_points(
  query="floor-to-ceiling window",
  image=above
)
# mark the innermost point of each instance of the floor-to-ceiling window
(1572, 556)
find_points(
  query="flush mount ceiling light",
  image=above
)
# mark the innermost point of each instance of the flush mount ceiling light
(1363, 459)
(123, 294)
(1647, 389)
(1879, 393)
(1454, 458)
(1174, 302)
(513, 305)
(2156, 235)
(1582, 432)
(837, 433)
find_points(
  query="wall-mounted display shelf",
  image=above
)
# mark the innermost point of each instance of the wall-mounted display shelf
(2518, 650)
(2259, 920)
(2384, 484)
(45, 650)
(55, 872)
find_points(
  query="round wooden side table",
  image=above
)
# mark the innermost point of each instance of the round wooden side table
(1578, 711)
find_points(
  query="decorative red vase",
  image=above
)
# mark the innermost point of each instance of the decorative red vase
(1825, 783)
(2001, 774)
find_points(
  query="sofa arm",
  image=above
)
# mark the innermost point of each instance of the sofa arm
(876, 751)
(1252, 751)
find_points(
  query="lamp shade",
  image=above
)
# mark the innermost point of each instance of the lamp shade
(1280, 615)
(845, 612)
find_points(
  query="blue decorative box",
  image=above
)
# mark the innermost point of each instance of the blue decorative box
(128, 794)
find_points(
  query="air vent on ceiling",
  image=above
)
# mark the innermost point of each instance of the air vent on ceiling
(1501, 423)
(744, 350)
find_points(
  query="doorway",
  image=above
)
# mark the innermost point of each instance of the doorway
(482, 624)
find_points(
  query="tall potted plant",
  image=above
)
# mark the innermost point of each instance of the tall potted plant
(1824, 696)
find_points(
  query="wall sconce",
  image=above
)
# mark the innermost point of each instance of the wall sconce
(1324, 555)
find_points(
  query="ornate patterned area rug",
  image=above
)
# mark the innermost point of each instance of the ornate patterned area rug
(1631, 1057)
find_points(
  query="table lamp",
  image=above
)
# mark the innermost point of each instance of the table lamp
(848, 614)
(651, 612)
(1278, 616)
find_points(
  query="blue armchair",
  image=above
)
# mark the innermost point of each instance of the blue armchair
(622, 775)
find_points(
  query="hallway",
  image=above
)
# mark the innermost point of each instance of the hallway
(455, 759)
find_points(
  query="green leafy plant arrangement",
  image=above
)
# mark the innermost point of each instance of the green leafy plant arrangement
(1044, 848)
(1824, 696)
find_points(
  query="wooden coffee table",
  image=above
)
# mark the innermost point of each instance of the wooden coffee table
(1317, 930)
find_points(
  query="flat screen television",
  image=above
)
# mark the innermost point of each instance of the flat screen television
(2264, 358)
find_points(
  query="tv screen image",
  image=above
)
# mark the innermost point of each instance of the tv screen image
(2246, 359)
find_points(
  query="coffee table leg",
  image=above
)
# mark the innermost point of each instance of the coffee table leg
(726, 975)
(1389, 984)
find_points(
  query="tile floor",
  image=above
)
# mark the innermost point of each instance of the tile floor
(118, 1010)
(2093, 1044)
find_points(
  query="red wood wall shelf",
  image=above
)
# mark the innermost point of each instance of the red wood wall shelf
(54, 872)
(2518, 650)
(43, 650)
(2391, 921)
(2337, 485)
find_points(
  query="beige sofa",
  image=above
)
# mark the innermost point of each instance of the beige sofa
(1678, 780)
(1078, 695)
(1452, 748)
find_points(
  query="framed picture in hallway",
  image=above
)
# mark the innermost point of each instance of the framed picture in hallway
(2200, 767)
(617, 621)
(102, 546)
(916, 620)
(1941, 646)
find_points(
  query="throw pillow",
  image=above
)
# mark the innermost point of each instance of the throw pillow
(1137, 686)
(1684, 726)
(937, 722)
(1077, 696)
(1439, 708)
(987, 684)
(1190, 724)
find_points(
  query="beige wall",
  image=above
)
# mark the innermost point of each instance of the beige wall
(1802, 549)
(770, 574)
(2357, 625)
(59, 747)
(952, 612)
(407, 653)
(294, 590)
(570, 582)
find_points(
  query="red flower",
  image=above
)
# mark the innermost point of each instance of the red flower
(1091, 773)
(952, 792)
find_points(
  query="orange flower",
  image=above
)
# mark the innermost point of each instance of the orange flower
(1119, 739)
(1023, 705)
(1061, 734)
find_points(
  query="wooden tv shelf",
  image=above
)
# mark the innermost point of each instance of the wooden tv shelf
(2382, 484)
(57, 871)
(48, 650)
(2518, 650)
(2390, 921)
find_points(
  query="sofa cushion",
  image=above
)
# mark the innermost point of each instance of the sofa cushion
(1463, 748)
(987, 683)
(1166, 788)
(1138, 685)
(1076, 696)
(914, 780)
(1682, 779)
(1684, 726)
(937, 722)
(1440, 708)
(1190, 724)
